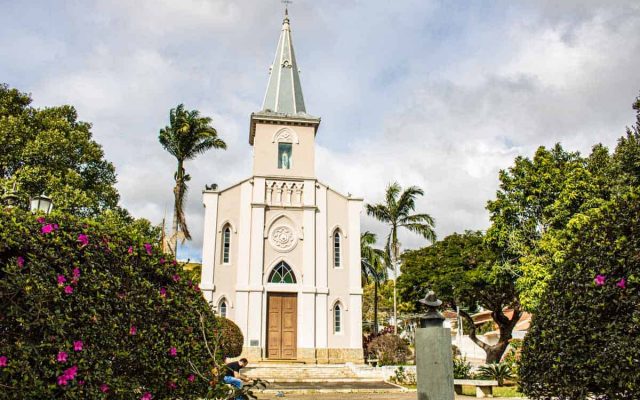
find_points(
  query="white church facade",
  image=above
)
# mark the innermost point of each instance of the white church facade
(281, 250)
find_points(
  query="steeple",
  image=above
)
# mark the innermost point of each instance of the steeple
(283, 103)
(284, 92)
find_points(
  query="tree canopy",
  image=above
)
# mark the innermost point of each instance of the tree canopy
(463, 271)
(50, 151)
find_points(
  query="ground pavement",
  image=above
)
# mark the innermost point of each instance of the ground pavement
(359, 396)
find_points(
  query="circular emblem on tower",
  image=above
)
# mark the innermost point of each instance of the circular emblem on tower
(282, 238)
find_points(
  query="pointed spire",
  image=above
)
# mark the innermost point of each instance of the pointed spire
(284, 92)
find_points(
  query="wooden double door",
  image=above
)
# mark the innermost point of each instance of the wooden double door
(282, 325)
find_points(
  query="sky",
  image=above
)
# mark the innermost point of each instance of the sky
(437, 94)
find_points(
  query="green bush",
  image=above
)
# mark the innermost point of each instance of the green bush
(90, 309)
(389, 349)
(461, 368)
(232, 338)
(585, 337)
(495, 371)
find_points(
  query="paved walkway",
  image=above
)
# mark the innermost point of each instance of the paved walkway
(357, 396)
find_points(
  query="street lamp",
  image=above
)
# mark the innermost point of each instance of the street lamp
(41, 203)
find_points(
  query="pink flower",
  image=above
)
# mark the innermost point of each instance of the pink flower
(173, 352)
(196, 288)
(76, 273)
(68, 289)
(48, 228)
(176, 278)
(147, 247)
(146, 396)
(62, 380)
(163, 292)
(622, 283)
(104, 388)
(130, 250)
(3, 361)
(161, 261)
(62, 357)
(41, 220)
(133, 330)
(20, 261)
(77, 345)
(80, 382)
(174, 262)
(191, 377)
(70, 373)
(599, 280)
(61, 280)
(171, 385)
(83, 239)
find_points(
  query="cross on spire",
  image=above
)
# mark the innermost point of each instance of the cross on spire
(286, 6)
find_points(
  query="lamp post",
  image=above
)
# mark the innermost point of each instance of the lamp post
(41, 203)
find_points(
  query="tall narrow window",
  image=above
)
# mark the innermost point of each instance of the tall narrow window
(284, 155)
(336, 249)
(223, 308)
(337, 318)
(226, 244)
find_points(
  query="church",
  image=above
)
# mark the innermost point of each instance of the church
(281, 250)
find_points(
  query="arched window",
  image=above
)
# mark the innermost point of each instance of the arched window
(223, 308)
(282, 273)
(336, 249)
(226, 244)
(337, 318)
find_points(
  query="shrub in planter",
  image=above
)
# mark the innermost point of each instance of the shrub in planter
(461, 368)
(495, 371)
(90, 309)
(584, 341)
(231, 338)
(389, 350)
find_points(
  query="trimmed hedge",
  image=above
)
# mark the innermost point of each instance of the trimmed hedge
(231, 346)
(584, 341)
(91, 309)
(389, 349)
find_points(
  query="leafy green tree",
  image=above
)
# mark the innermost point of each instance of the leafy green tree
(464, 272)
(374, 267)
(187, 136)
(49, 151)
(584, 341)
(397, 212)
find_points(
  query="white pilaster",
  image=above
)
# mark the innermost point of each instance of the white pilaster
(256, 318)
(322, 271)
(209, 242)
(242, 278)
(355, 282)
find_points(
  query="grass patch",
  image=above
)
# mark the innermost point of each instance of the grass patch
(499, 391)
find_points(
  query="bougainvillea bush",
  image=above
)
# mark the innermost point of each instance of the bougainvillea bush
(90, 309)
(585, 338)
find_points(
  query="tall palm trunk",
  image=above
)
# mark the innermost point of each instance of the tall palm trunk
(375, 307)
(177, 205)
(394, 250)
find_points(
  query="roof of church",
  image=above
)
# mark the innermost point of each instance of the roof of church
(283, 101)
(284, 92)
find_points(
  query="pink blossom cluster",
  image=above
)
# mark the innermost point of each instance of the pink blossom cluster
(20, 261)
(3, 361)
(600, 280)
(83, 239)
(68, 375)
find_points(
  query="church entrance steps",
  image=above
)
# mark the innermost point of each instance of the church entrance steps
(332, 387)
(312, 375)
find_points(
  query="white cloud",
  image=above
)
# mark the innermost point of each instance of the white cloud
(423, 93)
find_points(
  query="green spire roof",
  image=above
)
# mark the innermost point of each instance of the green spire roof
(284, 92)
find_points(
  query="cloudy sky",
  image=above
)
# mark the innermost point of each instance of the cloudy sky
(439, 94)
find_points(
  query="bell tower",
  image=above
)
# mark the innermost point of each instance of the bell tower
(282, 133)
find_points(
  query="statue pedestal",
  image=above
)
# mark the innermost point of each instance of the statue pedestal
(434, 363)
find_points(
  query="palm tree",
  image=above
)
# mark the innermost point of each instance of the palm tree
(187, 135)
(396, 212)
(374, 263)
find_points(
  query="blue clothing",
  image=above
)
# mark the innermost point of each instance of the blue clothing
(235, 382)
